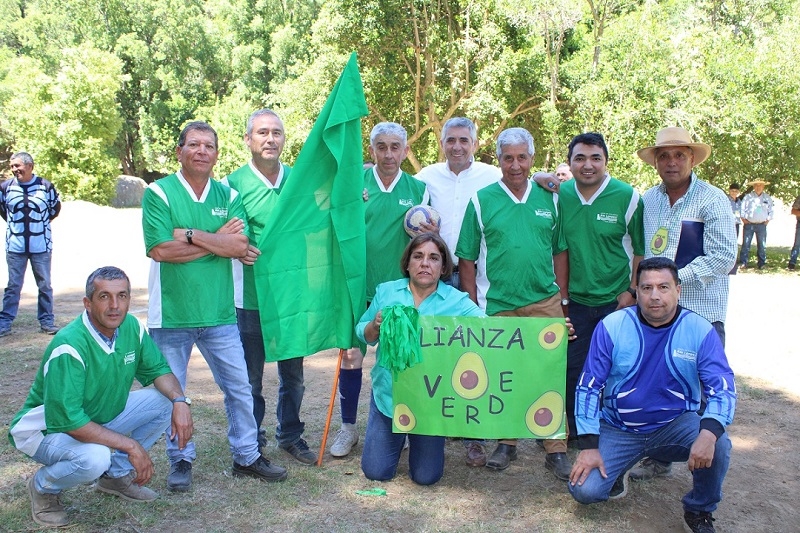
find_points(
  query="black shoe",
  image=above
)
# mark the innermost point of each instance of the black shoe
(299, 450)
(699, 522)
(559, 465)
(261, 469)
(791, 266)
(180, 476)
(620, 488)
(502, 457)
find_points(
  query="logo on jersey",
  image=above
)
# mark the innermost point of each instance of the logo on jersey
(130, 358)
(544, 213)
(610, 218)
(406, 202)
(686, 355)
(219, 212)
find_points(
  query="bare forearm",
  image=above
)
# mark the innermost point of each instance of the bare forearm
(222, 244)
(466, 273)
(168, 386)
(561, 270)
(97, 434)
(177, 252)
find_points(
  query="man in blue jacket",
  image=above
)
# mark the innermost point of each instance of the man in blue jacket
(653, 363)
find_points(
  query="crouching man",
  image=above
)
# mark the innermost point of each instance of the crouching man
(81, 420)
(653, 363)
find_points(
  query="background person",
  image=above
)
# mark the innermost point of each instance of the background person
(425, 261)
(796, 247)
(757, 211)
(563, 172)
(28, 203)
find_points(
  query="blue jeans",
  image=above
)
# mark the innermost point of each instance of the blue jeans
(760, 231)
(621, 450)
(584, 320)
(222, 350)
(382, 450)
(40, 264)
(69, 462)
(796, 247)
(290, 398)
(249, 323)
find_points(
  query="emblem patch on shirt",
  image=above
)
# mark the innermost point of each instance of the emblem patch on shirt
(219, 212)
(611, 218)
(686, 355)
(130, 358)
(406, 202)
(544, 213)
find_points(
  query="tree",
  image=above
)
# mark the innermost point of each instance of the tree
(68, 121)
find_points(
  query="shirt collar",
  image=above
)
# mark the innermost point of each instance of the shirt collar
(109, 342)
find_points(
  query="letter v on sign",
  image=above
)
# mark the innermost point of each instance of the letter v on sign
(432, 391)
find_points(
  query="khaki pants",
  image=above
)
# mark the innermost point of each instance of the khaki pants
(547, 308)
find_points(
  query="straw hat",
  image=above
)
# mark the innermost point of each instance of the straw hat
(762, 182)
(674, 137)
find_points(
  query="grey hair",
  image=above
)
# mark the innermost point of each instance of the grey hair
(26, 158)
(260, 113)
(388, 128)
(513, 136)
(197, 125)
(106, 273)
(460, 122)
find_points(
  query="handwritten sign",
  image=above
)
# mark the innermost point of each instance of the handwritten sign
(489, 378)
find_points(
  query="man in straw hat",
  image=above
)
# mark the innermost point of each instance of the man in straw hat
(756, 214)
(689, 221)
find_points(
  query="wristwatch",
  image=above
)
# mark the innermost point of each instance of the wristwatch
(184, 399)
(564, 301)
(632, 292)
(189, 234)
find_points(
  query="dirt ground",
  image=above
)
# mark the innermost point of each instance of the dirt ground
(760, 489)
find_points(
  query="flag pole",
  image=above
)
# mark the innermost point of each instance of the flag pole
(330, 407)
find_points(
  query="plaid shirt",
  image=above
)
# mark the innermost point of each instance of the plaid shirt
(704, 281)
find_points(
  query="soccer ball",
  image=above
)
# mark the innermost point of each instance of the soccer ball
(416, 216)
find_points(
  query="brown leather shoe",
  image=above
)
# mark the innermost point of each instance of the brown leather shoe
(46, 509)
(476, 454)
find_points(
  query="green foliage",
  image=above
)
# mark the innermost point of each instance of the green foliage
(626, 69)
(69, 120)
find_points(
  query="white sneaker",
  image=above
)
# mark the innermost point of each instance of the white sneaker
(345, 439)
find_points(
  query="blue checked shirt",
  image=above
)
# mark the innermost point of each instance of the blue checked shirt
(704, 281)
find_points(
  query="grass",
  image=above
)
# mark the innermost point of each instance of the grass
(523, 498)
(777, 259)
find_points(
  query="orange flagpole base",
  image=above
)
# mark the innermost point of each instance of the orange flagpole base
(331, 403)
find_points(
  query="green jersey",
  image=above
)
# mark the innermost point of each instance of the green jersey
(384, 215)
(607, 229)
(259, 197)
(81, 379)
(513, 243)
(198, 293)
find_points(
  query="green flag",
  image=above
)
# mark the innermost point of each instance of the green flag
(310, 278)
